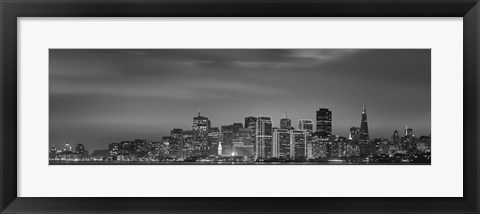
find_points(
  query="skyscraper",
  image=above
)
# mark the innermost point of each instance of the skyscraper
(409, 141)
(213, 140)
(176, 133)
(364, 136)
(250, 122)
(281, 143)
(285, 123)
(247, 136)
(263, 144)
(408, 132)
(227, 139)
(200, 128)
(188, 145)
(298, 147)
(200, 125)
(236, 129)
(305, 125)
(177, 136)
(324, 123)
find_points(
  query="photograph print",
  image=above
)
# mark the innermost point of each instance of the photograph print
(239, 106)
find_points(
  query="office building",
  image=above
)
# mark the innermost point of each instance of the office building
(354, 134)
(298, 147)
(324, 123)
(263, 142)
(305, 125)
(364, 137)
(250, 122)
(281, 143)
(285, 123)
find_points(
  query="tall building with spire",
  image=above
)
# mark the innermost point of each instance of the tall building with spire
(363, 135)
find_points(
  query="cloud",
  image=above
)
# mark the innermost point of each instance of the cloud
(301, 58)
(194, 89)
(323, 55)
(269, 65)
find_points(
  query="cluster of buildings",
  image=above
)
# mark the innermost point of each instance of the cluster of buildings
(256, 140)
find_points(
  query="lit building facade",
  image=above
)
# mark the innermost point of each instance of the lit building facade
(200, 124)
(188, 144)
(68, 147)
(364, 136)
(172, 146)
(408, 132)
(354, 134)
(247, 136)
(113, 148)
(324, 123)
(319, 147)
(285, 123)
(281, 143)
(213, 140)
(298, 146)
(140, 147)
(227, 135)
(177, 136)
(126, 148)
(263, 142)
(305, 125)
(200, 128)
(250, 122)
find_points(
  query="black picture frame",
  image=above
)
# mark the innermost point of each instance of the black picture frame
(10, 10)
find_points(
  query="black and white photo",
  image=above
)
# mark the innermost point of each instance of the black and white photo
(239, 106)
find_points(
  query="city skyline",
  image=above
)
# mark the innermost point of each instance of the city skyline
(260, 143)
(76, 94)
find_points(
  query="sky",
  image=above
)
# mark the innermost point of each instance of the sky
(102, 96)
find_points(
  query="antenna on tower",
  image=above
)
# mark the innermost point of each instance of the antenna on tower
(199, 113)
(364, 107)
(285, 115)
